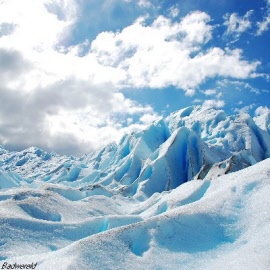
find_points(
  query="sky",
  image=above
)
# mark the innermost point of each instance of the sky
(76, 75)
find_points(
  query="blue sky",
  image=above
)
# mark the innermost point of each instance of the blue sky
(77, 74)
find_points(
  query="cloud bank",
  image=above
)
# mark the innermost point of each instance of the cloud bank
(68, 98)
(166, 53)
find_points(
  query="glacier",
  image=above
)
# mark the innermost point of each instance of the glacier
(191, 191)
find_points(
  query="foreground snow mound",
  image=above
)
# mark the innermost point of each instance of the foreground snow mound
(202, 224)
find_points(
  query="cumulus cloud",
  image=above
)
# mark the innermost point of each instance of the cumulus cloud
(214, 103)
(210, 92)
(245, 109)
(72, 116)
(144, 3)
(12, 65)
(51, 95)
(148, 118)
(190, 92)
(262, 110)
(36, 26)
(236, 25)
(264, 25)
(174, 11)
(56, 97)
(239, 85)
(166, 53)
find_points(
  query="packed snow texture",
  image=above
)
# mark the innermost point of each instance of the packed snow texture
(189, 192)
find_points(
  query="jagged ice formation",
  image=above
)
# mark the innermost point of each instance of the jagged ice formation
(179, 192)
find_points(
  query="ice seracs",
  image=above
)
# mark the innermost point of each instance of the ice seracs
(192, 143)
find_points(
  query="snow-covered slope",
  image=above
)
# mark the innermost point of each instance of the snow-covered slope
(180, 195)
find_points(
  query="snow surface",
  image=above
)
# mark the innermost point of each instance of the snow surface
(190, 192)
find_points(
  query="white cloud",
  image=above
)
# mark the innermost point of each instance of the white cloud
(190, 92)
(210, 92)
(144, 3)
(36, 27)
(214, 103)
(162, 53)
(262, 110)
(92, 129)
(196, 28)
(174, 11)
(264, 25)
(53, 96)
(245, 109)
(239, 85)
(236, 25)
(72, 116)
(148, 118)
